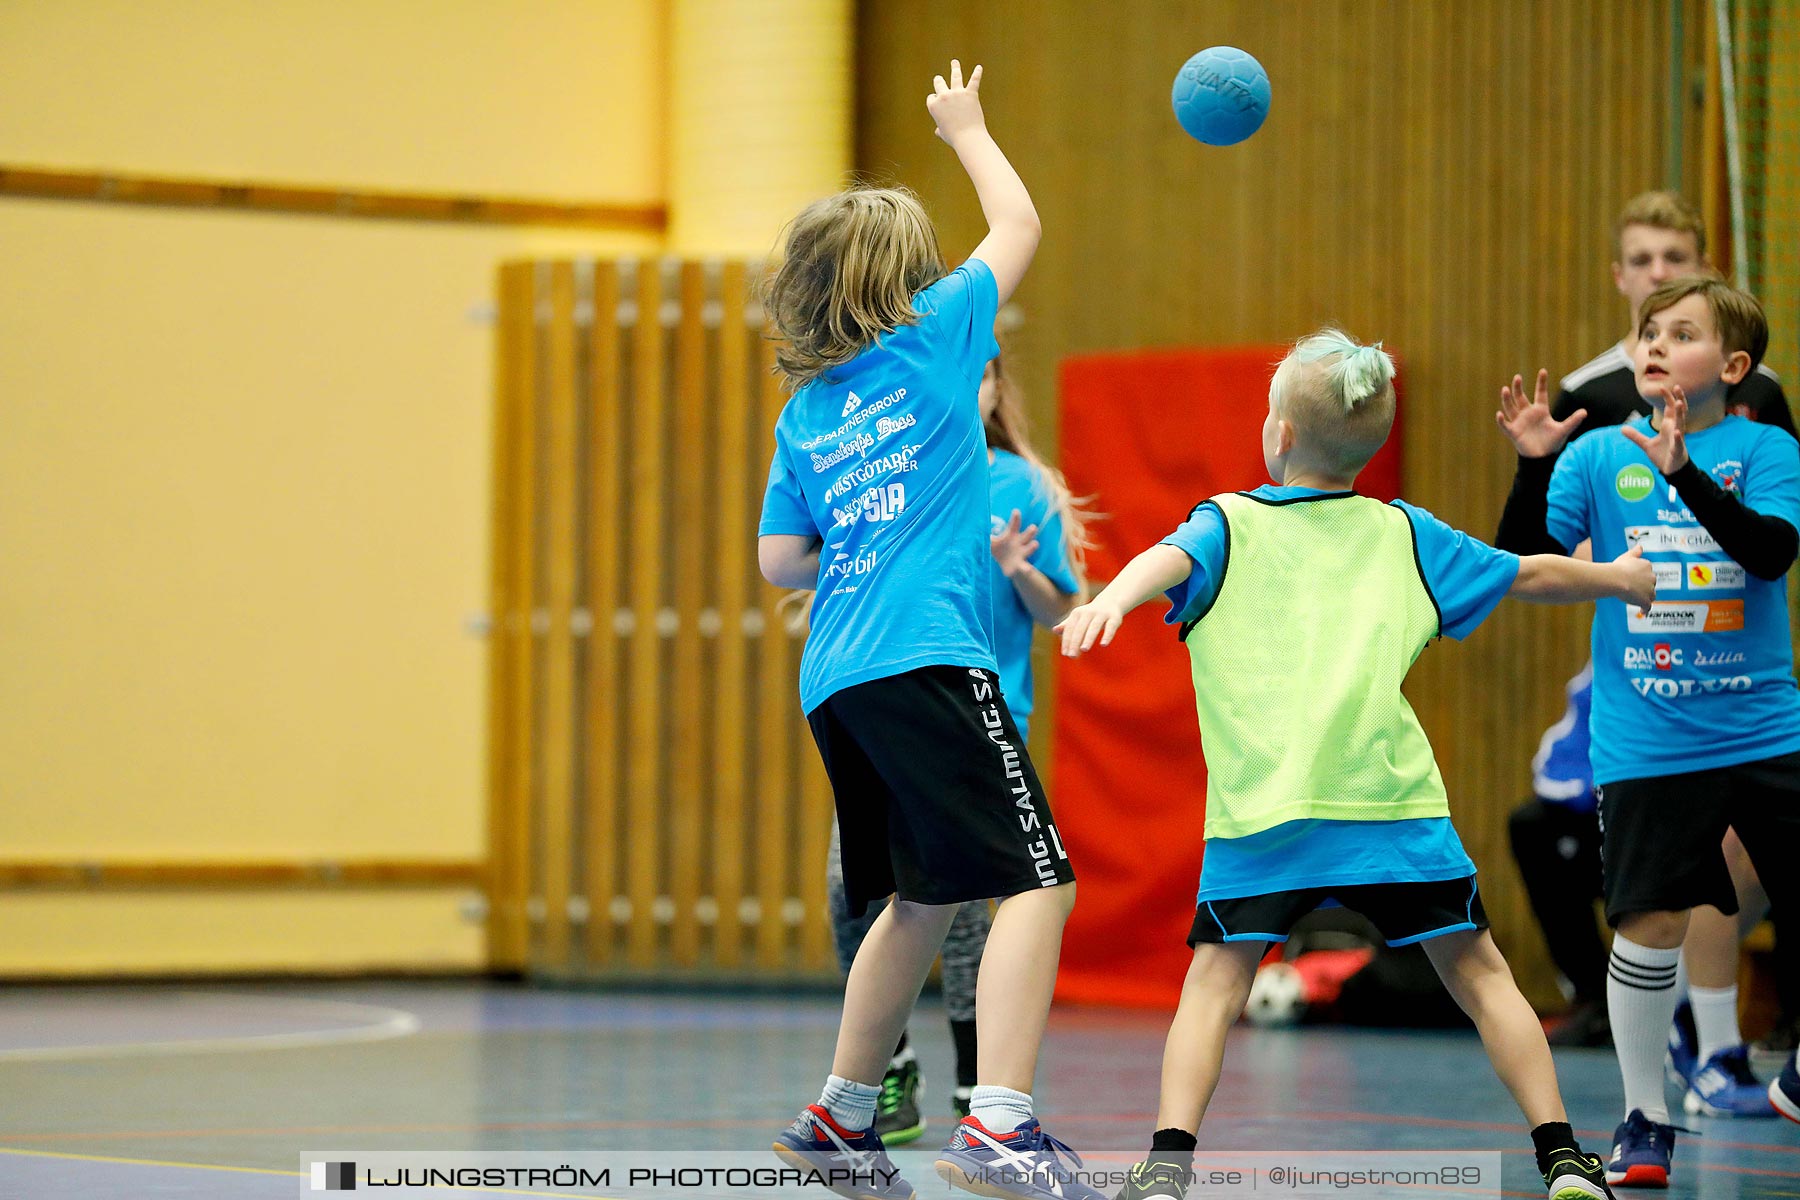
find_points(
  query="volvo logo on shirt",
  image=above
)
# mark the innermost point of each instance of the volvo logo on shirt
(1682, 689)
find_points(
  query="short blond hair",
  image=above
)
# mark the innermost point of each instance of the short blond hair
(1737, 315)
(850, 266)
(1660, 210)
(1339, 396)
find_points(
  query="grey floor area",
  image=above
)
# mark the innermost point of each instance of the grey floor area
(217, 1091)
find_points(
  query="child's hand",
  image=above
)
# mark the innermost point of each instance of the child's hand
(1668, 449)
(1013, 547)
(955, 108)
(1099, 618)
(1528, 422)
(1637, 579)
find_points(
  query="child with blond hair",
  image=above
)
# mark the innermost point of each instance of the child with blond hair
(878, 499)
(1303, 606)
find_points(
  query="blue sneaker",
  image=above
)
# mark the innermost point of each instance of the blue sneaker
(1784, 1093)
(1684, 1047)
(1025, 1164)
(1724, 1087)
(851, 1164)
(1641, 1151)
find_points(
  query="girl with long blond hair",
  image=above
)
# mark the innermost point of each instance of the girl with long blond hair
(878, 500)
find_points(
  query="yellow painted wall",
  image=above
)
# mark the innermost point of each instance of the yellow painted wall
(244, 459)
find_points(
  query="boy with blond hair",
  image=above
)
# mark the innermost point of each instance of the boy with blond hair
(1303, 606)
(1696, 718)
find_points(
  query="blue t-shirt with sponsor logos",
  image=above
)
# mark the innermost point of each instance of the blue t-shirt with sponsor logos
(1014, 485)
(885, 461)
(1707, 678)
(1467, 578)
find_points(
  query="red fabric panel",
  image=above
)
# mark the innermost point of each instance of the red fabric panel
(1149, 435)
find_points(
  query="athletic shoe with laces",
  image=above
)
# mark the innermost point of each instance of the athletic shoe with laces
(1023, 1164)
(1784, 1092)
(960, 1100)
(1684, 1047)
(1641, 1152)
(851, 1164)
(1572, 1175)
(1156, 1181)
(1724, 1087)
(897, 1116)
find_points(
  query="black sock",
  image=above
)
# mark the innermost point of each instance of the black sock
(900, 1046)
(1550, 1137)
(1175, 1146)
(963, 1034)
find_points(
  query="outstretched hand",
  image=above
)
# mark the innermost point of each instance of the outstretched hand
(955, 107)
(1013, 547)
(1528, 422)
(1668, 449)
(1096, 621)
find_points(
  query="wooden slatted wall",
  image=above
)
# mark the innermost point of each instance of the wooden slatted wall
(656, 811)
(1443, 176)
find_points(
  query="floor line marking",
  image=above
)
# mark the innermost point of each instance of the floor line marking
(385, 1024)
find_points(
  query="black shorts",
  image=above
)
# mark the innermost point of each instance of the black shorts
(937, 800)
(1404, 912)
(1660, 836)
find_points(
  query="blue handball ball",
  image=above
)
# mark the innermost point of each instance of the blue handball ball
(1221, 95)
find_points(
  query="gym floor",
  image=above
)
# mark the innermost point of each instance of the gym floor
(218, 1091)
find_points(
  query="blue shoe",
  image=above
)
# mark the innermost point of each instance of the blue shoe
(851, 1164)
(1641, 1151)
(1684, 1047)
(1784, 1093)
(1025, 1164)
(1724, 1087)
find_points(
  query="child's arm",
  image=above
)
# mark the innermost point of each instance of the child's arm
(1555, 579)
(1763, 545)
(1013, 228)
(1012, 549)
(789, 560)
(1145, 577)
(1539, 438)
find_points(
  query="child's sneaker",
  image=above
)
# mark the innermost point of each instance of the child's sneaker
(1572, 1175)
(1025, 1164)
(1641, 1151)
(897, 1116)
(1784, 1093)
(1155, 1181)
(852, 1164)
(1724, 1087)
(960, 1099)
(1684, 1047)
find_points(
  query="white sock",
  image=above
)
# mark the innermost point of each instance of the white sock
(1681, 980)
(851, 1105)
(999, 1109)
(1640, 1001)
(901, 1059)
(1715, 1019)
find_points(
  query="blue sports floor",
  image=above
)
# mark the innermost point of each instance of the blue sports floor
(216, 1091)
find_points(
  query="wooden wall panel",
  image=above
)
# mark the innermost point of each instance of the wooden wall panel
(1439, 176)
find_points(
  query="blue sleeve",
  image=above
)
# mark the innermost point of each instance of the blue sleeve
(1466, 576)
(1052, 554)
(1203, 538)
(1772, 479)
(1568, 515)
(784, 508)
(961, 308)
